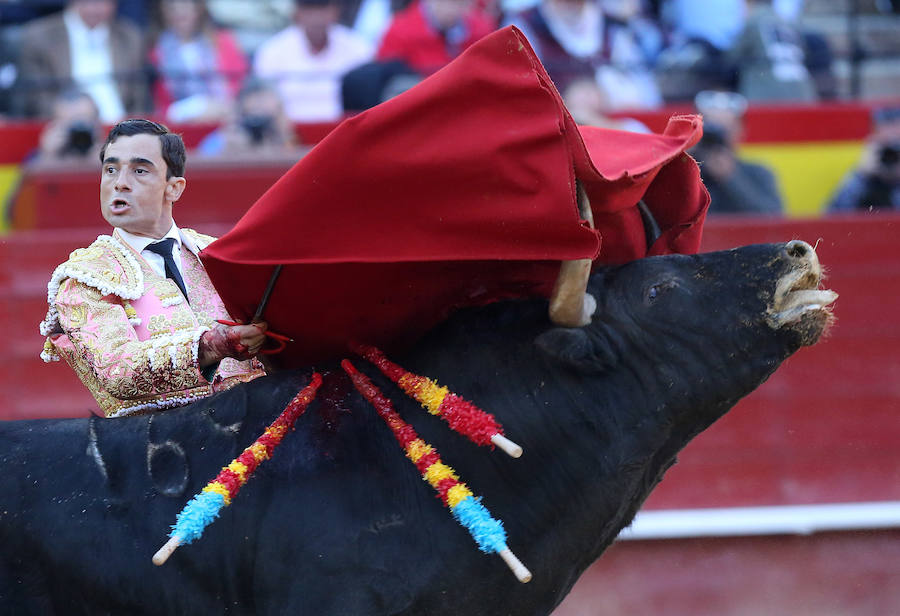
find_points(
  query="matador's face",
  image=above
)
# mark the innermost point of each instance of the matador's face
(134, 192)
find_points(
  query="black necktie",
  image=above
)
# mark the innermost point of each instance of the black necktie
(164, 249)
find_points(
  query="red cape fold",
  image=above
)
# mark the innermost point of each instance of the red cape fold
(458, 192)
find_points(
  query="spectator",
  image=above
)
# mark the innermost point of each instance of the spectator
(645, 28)
(632, 43)
(818, 55)
(256, 127)
(567, 35)
(510, 7)
(251, 21)
(716, 24)
(13, 15)
(9, 72)
(589, 105)
(137, 11)
(375, 82)
(769, 58)
(735, 186)
(17, 12)
(700, 34)
(428, 34)
(73, 133)
(369, 18)
(875, 182)
(575, 40)
(87, 47)
(307, 60)
(200, 67)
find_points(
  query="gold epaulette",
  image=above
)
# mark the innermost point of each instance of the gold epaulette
(106, 265)
(200, 239)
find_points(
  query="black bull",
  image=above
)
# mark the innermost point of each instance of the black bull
(339, 522)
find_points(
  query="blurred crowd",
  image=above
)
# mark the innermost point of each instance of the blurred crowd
(255, 67)
(187, 60)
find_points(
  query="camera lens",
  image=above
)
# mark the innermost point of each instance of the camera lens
(81, 138)
(714, 136)
(258, 127)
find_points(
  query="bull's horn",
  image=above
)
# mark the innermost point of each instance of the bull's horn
(570, 303)
(651, 227)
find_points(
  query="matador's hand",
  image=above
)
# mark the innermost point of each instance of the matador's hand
(237, 341)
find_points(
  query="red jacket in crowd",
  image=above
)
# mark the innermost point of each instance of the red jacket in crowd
(413, 38)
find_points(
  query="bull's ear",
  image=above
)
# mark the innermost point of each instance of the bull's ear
(578, 348)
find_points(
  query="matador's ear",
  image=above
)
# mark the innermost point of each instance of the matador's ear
(174, 187)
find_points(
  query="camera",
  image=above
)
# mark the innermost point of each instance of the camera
(80, 138)
(714, 136)
(258, 127)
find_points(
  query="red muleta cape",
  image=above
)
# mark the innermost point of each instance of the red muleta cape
(458, 192)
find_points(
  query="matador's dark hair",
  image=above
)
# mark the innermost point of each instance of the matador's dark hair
(172, 145)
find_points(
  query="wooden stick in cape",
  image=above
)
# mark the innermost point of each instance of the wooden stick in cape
(218, 493)
(460, 414)
(487, 531)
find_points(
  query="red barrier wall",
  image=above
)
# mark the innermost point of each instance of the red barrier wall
(785, 123)
(830, 574)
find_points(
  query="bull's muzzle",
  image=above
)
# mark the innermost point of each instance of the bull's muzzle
(797, 292)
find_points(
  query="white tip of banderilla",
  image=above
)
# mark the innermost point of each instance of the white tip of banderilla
(506, 445)
(519, 570)
(165, 551)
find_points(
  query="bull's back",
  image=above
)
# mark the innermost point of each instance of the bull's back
(338, 521)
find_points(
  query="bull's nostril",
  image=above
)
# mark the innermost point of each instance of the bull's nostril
(797, 249)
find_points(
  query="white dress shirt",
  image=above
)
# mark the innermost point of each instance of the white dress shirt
(310, 83)
(155, 261)
(92, 66)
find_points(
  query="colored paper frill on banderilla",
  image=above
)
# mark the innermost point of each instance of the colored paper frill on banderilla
(461, 415)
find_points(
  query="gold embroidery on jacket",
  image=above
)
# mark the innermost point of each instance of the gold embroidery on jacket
(112, 276)
(78, 317)
(126, 374)
(90, 253)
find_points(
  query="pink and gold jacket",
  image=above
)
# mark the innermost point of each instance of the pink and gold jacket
(128, 333)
